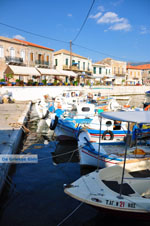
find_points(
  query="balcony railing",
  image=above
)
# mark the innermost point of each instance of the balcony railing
(41, 62)
(17, 60)
(75, 68)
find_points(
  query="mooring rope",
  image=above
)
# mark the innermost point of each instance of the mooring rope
(69, 215)
(61, 154)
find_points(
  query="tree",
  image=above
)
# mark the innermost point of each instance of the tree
(9, 76)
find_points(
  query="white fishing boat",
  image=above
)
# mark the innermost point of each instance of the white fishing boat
(121, 189)
(108, 153)
(85, 117)
(105, 190)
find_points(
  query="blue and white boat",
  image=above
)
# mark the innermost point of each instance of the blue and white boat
(147, 93)
(87, 119)
(98, 154)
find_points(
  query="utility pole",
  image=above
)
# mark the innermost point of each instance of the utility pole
(70, 55)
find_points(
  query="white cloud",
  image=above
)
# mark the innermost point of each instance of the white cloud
(96, 16)
(114, 22)
(144, 30)
(124, 25)
(19, 37)
(69, 15)
(109, 17)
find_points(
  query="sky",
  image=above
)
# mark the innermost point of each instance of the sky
(119, 29)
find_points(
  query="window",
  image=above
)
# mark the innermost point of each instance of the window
(94, 70)
(12, 52)
(1, 51)
(78, 64)
(31, 56)
(22, 53)
(135, 74)
(85, 109)
(106, 71)
(67, 61)
(47, 58)
(83, 65)
(100, 70)
(56, 62)
(73, 62)
(88, 66)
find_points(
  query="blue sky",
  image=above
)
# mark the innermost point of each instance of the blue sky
(117, 28)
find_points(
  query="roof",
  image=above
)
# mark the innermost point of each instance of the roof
(139, 67)
(128, 116)
(105, 61)
(21, 70)
(68, 53)
(11, 40)
(32, 44)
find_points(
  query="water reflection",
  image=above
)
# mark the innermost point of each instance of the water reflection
(35, 195)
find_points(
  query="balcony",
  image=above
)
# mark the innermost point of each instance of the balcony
(76, 69)
(42, 63)
(14, 60)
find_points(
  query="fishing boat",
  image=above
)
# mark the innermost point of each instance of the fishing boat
(85, 117)
(123, 189)
(107, 191)
(147, 93)
(108, 153)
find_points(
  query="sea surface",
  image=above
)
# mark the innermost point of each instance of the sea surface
(34, 193)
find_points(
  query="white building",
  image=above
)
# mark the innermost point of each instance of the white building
(64, 60)
(102, 72)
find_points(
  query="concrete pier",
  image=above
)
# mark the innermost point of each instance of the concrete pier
(35, 92)
(12, 117)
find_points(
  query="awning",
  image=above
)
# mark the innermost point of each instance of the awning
(46, 71)
(68, 73)
(94, 76)
(21, 70)
(128, 116)
(108, 79)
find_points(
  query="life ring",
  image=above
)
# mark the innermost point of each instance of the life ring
(147, 108)
(127, 106)
(54, 123)
(59, 105)
(108, 132)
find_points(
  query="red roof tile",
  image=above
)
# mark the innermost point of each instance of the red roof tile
(32, 44)
(139, 67)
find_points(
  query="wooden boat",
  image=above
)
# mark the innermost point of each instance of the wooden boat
(107, 153)
(85, 118)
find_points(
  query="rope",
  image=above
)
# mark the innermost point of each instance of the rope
(69, 215)
(61, 155)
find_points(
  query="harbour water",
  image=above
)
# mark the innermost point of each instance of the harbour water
(34, 193)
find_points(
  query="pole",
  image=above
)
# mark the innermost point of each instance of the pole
(70, 55)
(98, 159)
(126, 148)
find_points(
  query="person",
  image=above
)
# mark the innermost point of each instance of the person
(91, 84)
